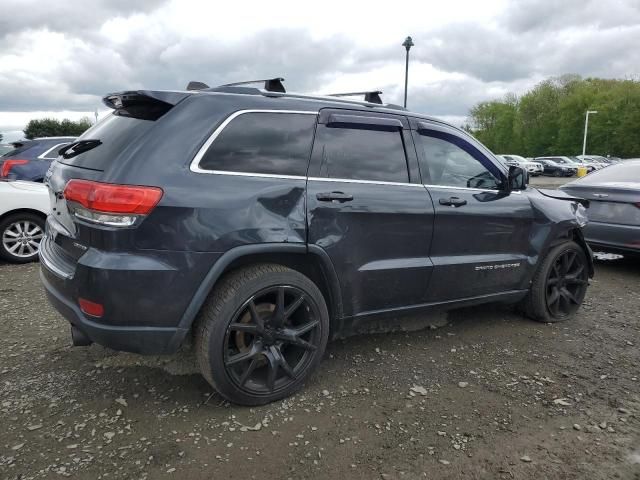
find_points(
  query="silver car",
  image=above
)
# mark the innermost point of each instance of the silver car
(614, 210)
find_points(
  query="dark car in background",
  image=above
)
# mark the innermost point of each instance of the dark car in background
(261, 224)
(30, 159)
(555, 169)
(614, 210)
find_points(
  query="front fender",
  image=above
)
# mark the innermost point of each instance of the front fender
(557, 218)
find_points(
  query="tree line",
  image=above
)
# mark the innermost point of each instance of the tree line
(549, 119)
(50, 127)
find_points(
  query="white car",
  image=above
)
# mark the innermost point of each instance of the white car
(587, 162)
(24, 207)
(534, 168)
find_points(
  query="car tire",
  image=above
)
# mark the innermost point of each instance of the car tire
(557, 173)
(559, 284)
(261, 333)
(20, 236)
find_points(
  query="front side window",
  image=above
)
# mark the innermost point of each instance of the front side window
(446, 163)
(263, 143)
(361, 154)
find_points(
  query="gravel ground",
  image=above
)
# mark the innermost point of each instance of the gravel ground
(487, 395)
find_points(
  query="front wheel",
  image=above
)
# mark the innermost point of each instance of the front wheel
(560, 284)
(261, 334)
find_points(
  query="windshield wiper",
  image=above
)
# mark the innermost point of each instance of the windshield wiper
(76, 148)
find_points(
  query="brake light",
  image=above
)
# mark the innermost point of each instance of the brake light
(8, 165)
(110, 204)
(91, 308)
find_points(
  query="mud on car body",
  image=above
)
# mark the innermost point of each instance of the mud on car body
(262, 223)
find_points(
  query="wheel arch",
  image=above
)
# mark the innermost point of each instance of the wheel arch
(575, 234)
(311, 260)
(32, 211)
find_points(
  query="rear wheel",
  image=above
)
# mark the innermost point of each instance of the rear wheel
(560, 284)
(261, 333)
(20, 235)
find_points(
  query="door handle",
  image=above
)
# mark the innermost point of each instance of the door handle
(334, 196)
(453, 202)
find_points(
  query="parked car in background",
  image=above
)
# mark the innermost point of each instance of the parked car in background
(597, 160)
(263, 223)
(555, 169)
(23, 210)
(589, 165)
(614, 210)
(30, 159)
(534, 168)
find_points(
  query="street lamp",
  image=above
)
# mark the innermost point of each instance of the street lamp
(586, 126)
(407, 44)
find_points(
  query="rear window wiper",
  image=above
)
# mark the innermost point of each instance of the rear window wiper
(76, 148)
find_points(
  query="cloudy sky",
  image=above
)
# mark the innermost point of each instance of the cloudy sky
(59, 58)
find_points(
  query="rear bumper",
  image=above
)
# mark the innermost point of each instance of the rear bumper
(144, 294)
(145, 340)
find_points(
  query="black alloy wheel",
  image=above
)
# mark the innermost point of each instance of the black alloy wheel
(559, 284)
(271, 340)
(566, 284)
(261, 333)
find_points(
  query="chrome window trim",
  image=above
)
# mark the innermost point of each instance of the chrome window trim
(470, 188)
(195, 163)
(370, 182)
(43, 156)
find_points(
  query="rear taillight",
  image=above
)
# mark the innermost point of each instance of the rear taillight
(8, 165)
(110, 204)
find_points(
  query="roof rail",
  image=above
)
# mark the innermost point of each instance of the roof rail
(371, 97)
(270, 84)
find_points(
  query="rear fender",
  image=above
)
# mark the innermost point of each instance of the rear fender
(234, 257)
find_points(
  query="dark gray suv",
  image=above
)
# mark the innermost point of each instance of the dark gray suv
(264, 223)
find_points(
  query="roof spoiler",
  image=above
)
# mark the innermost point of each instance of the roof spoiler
(143, 104)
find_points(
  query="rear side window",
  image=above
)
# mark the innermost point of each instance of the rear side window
(361, 154)
(263, 143)
(115, 133)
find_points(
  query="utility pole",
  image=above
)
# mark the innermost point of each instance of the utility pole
(586, 126)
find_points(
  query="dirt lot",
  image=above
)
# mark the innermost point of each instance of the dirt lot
(489, 395)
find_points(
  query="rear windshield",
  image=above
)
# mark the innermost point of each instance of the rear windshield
(21, 149)
(115, 133)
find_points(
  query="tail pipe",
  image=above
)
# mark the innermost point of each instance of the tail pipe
(78, 338)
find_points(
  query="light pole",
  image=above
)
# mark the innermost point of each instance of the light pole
(407, 44)
(586, 126)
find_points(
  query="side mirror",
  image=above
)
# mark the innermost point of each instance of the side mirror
(518, 178)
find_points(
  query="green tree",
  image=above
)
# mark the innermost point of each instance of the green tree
(549, 119)
(50, 127)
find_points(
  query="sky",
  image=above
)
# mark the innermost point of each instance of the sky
(59, 58)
